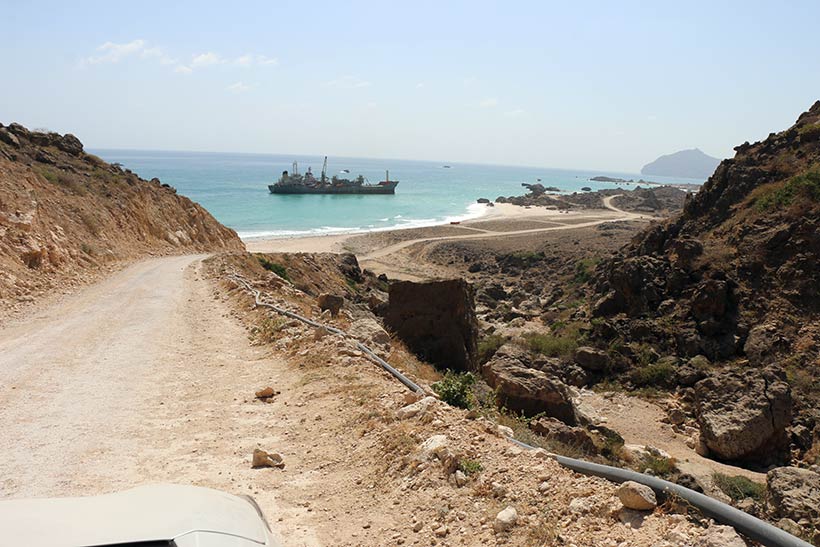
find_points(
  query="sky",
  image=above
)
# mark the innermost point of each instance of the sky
(585, 85)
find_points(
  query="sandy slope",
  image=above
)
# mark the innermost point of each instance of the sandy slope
(142, 378)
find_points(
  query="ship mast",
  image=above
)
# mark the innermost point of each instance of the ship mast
(324, 171)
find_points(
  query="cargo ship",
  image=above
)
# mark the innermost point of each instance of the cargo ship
(294, 183)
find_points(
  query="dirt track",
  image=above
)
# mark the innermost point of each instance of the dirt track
(141, 378)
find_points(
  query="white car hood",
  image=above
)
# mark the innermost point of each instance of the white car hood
(146, 513)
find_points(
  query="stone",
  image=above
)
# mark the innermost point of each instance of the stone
(330, 302)
(720, 536)
(460, 478)
(419, 408)
(265, 459)
(436, 320)
(9, 138)
(524, 389)
(744, 415)
(794, 493)
(266, 394)
(575, 437)
(370, 333)
(637, 496)
(591, 359)
(505, 520)
(70, 144)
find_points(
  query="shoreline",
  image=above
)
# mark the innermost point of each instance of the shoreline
(499, 220)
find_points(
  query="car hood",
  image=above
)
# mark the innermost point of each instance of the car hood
(146, 513)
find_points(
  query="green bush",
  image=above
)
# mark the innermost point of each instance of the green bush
(456, 389)
(488, 345)
(805, 187)
(738, 487)
(655, 374)
(659, 466)
(278, 269)
(583, 270)
(550, 345)
(469, 467)
(808, 132)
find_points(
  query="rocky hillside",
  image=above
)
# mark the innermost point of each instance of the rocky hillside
(65, 215)
(732, 284)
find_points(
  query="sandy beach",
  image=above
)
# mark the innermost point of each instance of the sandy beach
(505, 226)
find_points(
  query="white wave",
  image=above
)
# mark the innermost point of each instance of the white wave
(474, 210)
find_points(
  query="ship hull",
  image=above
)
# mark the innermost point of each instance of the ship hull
(367, 190)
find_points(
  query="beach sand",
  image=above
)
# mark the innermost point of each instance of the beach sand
(503, 221)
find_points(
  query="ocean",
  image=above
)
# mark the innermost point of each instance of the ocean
(234, 188)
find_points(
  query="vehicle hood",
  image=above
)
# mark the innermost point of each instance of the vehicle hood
(146, 513)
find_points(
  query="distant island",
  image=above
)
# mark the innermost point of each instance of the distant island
(693, 164)
(609, 179)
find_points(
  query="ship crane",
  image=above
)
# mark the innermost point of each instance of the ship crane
(324, 171)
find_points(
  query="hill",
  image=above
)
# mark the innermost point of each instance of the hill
(692, 164)
(66, 216)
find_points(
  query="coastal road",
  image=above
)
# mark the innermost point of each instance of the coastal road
(141, 378)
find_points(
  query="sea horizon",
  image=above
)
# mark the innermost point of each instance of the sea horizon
(233, 187)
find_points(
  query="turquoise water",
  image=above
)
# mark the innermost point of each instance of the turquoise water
(233, 187)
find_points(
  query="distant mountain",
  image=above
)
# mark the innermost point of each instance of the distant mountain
(692, 164)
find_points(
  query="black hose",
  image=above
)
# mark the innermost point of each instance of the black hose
(750, 526)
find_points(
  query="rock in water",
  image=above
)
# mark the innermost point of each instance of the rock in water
(436, 320)
(265, 459)
(744, 415)
(637, 496)
(524, 389)
(506, 519)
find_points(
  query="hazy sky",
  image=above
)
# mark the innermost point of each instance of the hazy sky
(599, 85)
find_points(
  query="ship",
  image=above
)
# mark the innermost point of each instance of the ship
(294, 183)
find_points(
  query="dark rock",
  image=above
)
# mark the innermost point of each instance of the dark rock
(573, 436)
(330, 302)
(524, 389)
(436, 320)
(349, 267)
(592, 359)
(70, 144)
(744, 415)
(483, 200)
(9, 138)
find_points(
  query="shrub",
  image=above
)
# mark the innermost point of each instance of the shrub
(488, 345)
(456, 389)
(583, 270)
(655, 374)
(550, 345)
(738, 487)
(809, 132)
(469, 467)
(659, 466)
(270, 327)
(805, 187)
(278, 269)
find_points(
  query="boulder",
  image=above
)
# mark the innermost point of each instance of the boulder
(794, 493)
(482, 200)
(637, 496)
(330, 302)
(744, 415)
(419, 408)
(505, 520)
(524, 389)
(9, 138)
(370, 333)
(70, 144)
(591, 359)
(436, 320)
(576, 437)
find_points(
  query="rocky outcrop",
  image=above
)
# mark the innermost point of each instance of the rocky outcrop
(744, 415)
(794, 493)
(436, 320)
(371, 334)
(575, 437)
(330, 302)
(526, 390)
(64, 214)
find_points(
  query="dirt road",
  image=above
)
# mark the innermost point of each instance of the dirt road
(142, 378)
